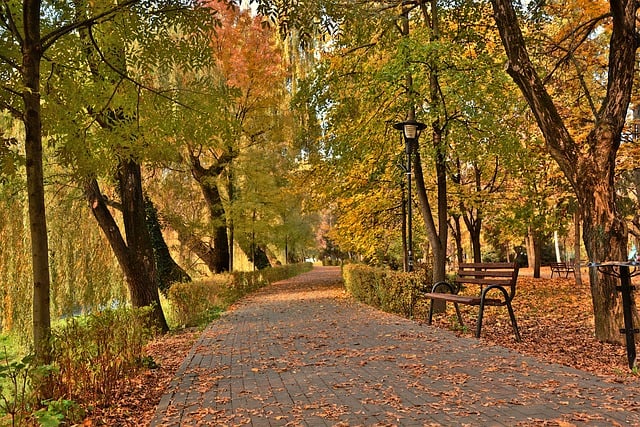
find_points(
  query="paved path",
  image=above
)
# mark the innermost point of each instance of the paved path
(300, 353)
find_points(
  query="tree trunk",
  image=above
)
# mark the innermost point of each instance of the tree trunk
(440, 258)
(207, 179)
(605, 238)
(230, 223)
(169, 271)
(31, 55)
(589, 166)
(534, 252)
(437, 235)
(435, 240)
(537, 250)
(532, 256)
(556, 244)
(474, 226)
(135, 256)
(576, 249)
(456, 231)
(405, 249)
(202, 250)
(254, 252)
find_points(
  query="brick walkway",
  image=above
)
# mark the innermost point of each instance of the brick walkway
(300, 353)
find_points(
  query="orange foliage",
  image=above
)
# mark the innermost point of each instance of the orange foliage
(246, 52)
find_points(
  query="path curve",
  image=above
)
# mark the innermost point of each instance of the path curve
(302, 353)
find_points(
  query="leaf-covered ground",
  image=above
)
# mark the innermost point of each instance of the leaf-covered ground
(554, 316)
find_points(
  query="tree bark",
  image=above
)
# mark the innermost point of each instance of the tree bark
(207, 179)
(456, 231)
(474, 226)
(135, 256)
(589, 166)
(31, 55)
(435, 240)
(436, 234)
(577, 250)
(403, 229)
(169, 271)
(533, 252)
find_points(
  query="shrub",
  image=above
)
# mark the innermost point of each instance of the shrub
(388, 290)
(93, 353)
(191, 301)
(17, 398)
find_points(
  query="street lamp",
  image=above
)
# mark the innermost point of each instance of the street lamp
(411, 132)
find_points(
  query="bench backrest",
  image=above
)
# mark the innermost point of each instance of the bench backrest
(503, 274)
(558, 265)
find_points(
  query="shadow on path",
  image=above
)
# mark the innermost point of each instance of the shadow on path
(301, 353)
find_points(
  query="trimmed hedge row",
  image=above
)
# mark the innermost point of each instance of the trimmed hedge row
(192, 302)
(391, 291)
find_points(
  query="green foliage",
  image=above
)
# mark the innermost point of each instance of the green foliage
(56, 412)
(16, 396)
(84, 271)
(94, 353)
(391, 291)
(19, 382)
(198, 302)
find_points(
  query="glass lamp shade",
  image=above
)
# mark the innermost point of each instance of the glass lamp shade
(410, 130)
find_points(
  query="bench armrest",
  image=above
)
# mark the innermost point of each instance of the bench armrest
(507, 295)
(452, 289)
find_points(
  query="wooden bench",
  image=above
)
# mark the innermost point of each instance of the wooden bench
(497, 279)
(561, 267)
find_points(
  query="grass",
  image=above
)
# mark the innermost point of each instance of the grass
(10, 348)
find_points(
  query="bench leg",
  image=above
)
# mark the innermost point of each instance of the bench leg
(511, 315)
(455, 304)
(430, 313)
(513, 322)
(479, 325)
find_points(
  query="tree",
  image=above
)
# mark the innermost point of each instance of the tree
(588, 163)
(250, 68)
(114, 59)
(32, 50)
(85, 45)
(22, 53)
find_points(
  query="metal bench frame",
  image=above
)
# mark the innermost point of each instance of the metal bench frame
(499, 279)
(561, 267)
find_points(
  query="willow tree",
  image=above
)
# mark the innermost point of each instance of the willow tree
(588, 160)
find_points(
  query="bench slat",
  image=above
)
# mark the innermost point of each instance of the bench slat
(501, 273)
(487, 265)
(484, 282)
(463, 299)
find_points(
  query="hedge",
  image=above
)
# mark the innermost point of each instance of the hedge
(391, 291)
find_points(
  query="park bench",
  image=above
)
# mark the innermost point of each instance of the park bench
(495, 284)
(561, 267)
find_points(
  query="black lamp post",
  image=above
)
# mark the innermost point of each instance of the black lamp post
(410, 131)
